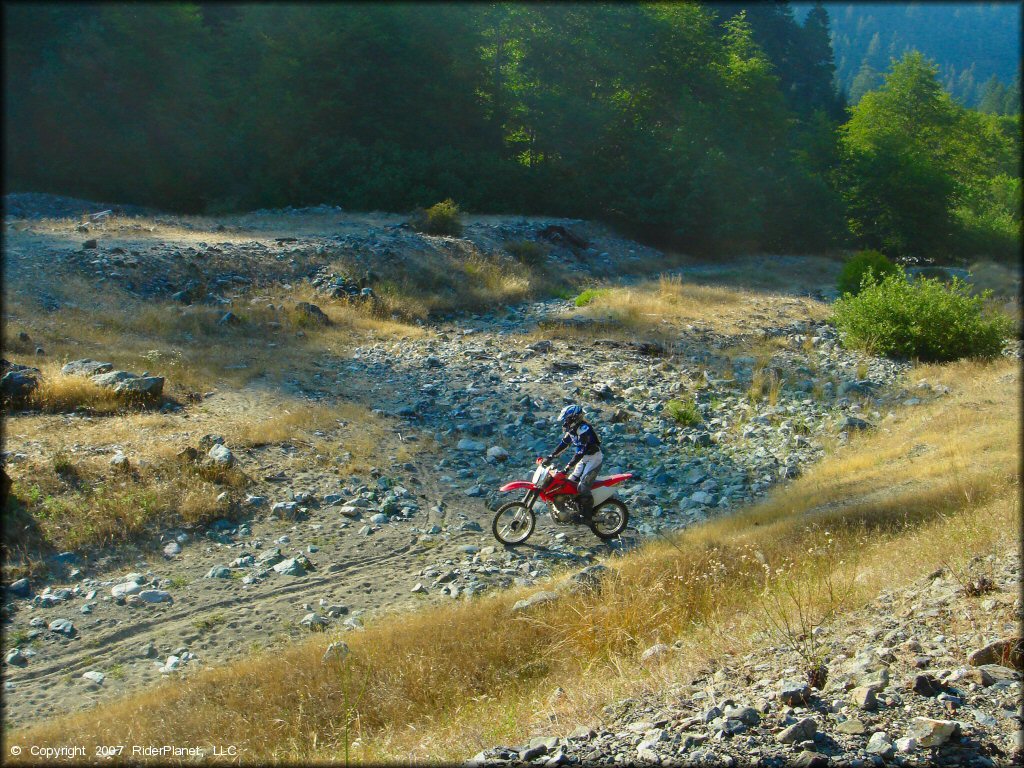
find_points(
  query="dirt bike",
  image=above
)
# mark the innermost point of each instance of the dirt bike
(514, 521)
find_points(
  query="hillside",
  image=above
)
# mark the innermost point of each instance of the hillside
(176, 567)
(971, 42)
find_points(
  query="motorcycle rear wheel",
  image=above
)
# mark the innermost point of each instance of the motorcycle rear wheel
(609, 519)
(513, 523)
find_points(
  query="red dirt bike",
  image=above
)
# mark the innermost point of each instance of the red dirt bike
(514, 521)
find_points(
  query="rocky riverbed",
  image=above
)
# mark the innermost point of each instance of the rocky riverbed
(470, 402)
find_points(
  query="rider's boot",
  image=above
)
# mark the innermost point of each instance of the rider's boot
(585, 501)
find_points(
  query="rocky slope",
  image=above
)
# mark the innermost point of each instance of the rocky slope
(923, 675)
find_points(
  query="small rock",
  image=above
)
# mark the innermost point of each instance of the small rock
(906, 744)
(853, 727)
(218, 572)
(810, 759)
(62, 626)
(155, 596)
(926, 685)
(286, 510)
(537, 598)
(221, 455)
(19, 588)
(802, 730)
(465, 444)
(497, 453)
(336, 651)
(864, 698)
(314, 622)
(933, 733)
(879, 744)
(16, 658)
(95, 677)
(794, 693)
(171, 549)
(125, 589)
(654, 653)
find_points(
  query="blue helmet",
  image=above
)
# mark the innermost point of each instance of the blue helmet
(570, 415)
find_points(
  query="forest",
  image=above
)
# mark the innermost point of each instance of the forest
(975, 45)
(716, 128)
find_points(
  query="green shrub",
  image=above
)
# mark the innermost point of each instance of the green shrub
(923, 319)
(684, 411)
(867, 264)
(589, 295)
(439, 219)
(527, 252)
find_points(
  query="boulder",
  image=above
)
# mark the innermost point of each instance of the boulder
(312, 313)
(465, 444)
(293, 566)
(218, 572)
(146, 386)
(1007, 652)
(86, 367)
(94, 677)
(18, 380)
(111, 379)
(19, 588)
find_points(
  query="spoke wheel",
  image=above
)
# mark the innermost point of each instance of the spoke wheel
(609, 519)
(513, 523)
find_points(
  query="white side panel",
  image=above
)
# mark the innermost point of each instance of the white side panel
(602, 494)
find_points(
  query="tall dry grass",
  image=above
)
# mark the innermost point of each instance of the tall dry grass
(444, 683)
(659, 309)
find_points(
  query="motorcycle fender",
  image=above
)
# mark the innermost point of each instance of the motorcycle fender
(516, 485)
(602, 494)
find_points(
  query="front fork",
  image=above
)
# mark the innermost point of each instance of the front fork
(530, 499)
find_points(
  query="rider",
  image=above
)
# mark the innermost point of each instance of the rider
(583, 466)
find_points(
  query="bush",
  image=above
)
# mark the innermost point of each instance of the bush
(923, 319)
(589, 295)
(684, 412)
(852, 278)
(527, 252)
(439, 219)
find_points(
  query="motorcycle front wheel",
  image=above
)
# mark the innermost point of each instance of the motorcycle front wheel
(513, 523)
(609, 519)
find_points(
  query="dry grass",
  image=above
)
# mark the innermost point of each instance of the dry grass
(66, 394)
(414, 689)
(74, 503)
(661, 309)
